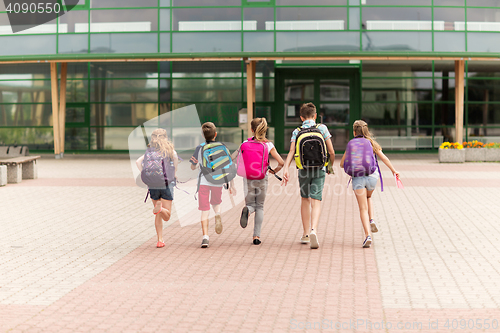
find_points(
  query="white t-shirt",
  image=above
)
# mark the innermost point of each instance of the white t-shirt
(269, 145)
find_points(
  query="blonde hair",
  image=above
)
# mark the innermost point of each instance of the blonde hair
(259, 126)
(160, 142)
(361, 129)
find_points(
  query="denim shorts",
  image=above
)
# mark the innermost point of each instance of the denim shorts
(367, 182)
(166, 193)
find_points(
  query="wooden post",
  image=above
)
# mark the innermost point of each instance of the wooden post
(250, 93)
(62, 107)
(55, 108)
(459, 100)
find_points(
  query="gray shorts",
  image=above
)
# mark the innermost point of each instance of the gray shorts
(367, 182)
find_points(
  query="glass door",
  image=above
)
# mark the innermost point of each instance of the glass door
(77, 127)
(335, 92)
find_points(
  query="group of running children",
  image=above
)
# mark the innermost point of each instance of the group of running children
(310, 147)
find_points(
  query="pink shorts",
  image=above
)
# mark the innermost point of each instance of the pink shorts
(209, 195)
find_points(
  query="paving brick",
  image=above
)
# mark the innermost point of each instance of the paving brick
(88, 261)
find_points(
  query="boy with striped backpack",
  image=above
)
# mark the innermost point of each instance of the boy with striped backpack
(216, 170)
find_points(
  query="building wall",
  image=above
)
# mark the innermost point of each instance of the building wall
(114, 27)
(408, 105)
(106, 99)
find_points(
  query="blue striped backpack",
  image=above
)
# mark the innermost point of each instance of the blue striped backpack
(216, 164)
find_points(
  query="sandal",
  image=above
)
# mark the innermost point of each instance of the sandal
(160, 244)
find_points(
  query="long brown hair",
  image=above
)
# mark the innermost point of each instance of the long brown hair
(361, 129)
(259, 126)
(160, 142)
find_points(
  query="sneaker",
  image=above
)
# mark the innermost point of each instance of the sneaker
(367, 242)
(244, 217)
(204, 243)
(314, 240)
(305, 239)
(218, 224)
(373, 226)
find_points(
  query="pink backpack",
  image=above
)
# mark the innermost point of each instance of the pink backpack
(253, 159)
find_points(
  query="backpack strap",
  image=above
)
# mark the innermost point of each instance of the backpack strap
(380, 175)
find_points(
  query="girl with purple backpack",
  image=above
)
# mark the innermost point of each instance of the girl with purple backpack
(360, 162)
(253, 165)
(158, 166)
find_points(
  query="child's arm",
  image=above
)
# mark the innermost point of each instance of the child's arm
(193, 160)
(277, 157)
(235, 154)
(291, 153)
(138, 162)
(342, 161)
(331, 151)
(232, 188)
(176, 161)
(386, 161)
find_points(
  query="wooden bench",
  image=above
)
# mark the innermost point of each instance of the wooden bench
(22, 167)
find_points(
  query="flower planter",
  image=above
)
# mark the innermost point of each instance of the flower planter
(451, 155)
(475, 154)
(492, 155)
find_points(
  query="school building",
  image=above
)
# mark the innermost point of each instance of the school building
(420, 72)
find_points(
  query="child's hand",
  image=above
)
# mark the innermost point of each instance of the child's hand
(193, 160)
(395, 173)
(330, 169)
(232, 191)
(286, 177)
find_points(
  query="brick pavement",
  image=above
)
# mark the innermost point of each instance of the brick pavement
(77, 253)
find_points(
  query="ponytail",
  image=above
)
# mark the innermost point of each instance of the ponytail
(361, 129)
(259, 126)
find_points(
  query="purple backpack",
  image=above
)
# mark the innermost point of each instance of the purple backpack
(360, 159)
(253, 159)
(157, 172)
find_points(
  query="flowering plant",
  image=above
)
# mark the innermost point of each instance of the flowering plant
(473, 144)
(492, 145)
(451, 145)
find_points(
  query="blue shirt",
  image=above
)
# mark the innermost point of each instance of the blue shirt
(311, 123)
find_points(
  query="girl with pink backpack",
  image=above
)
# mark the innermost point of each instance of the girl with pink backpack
(253, 165)
(360, 162)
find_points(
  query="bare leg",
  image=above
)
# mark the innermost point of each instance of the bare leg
(316, 212)
(158, 223)
(163, 209)
(167, 209)
(305, 212)
(363, 210)
(204, 221)
(216, 209)
(370, 203)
